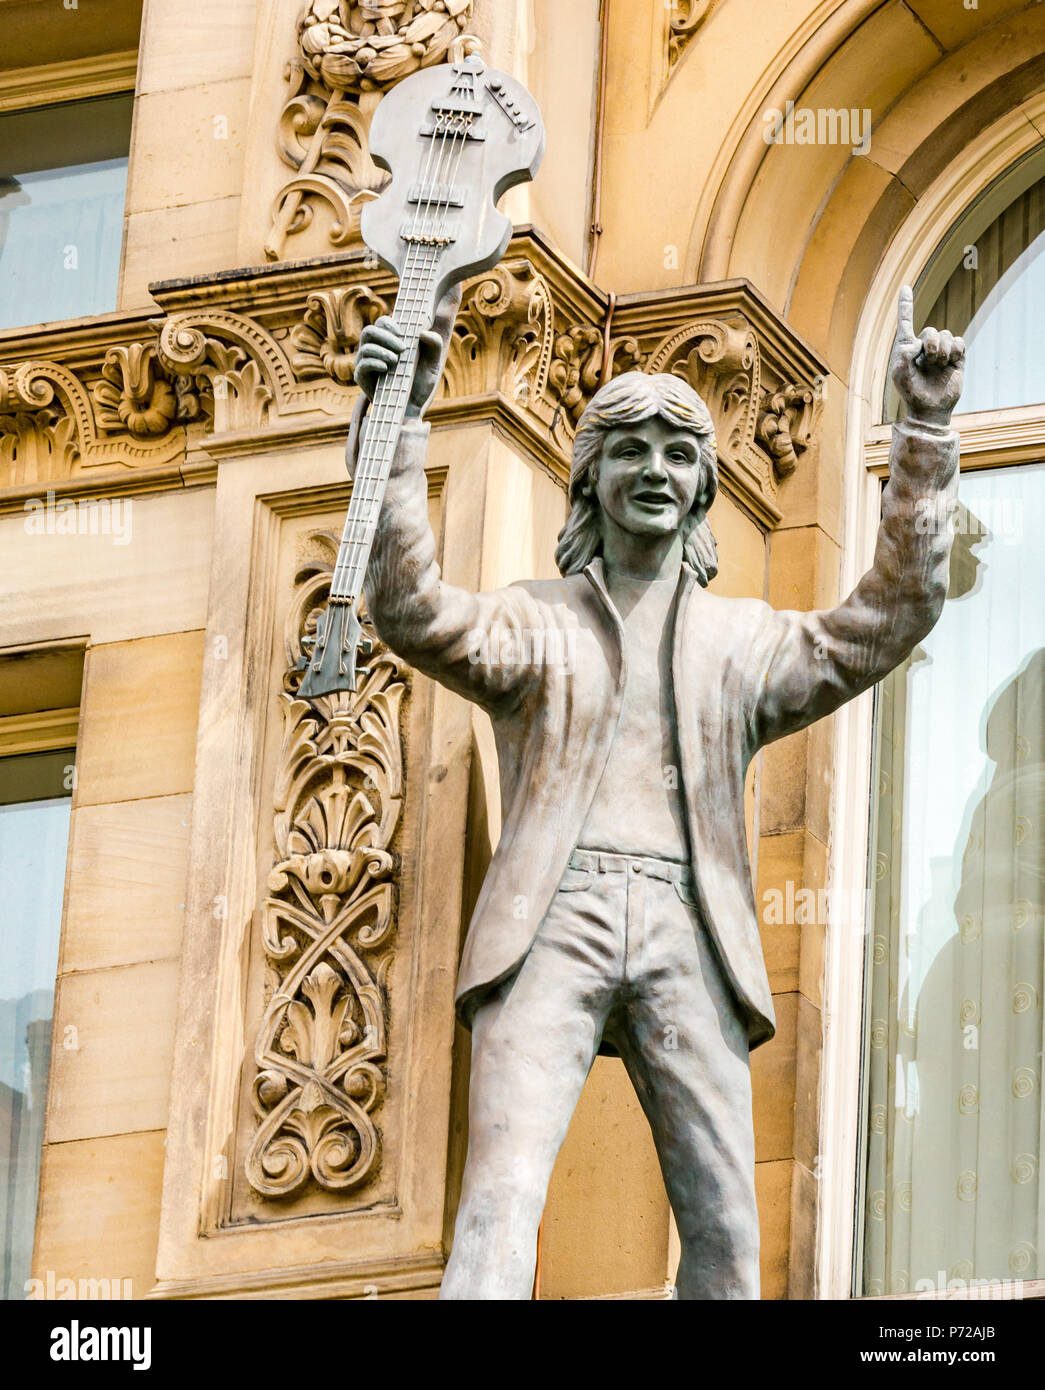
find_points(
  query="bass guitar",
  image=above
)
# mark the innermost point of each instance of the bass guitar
(454, 138)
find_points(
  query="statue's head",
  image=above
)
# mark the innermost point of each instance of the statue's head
(645, 456)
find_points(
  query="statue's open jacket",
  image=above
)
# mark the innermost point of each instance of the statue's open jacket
(744, 674)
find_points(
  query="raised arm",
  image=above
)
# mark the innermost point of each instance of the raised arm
(467, 641)
(807, 664)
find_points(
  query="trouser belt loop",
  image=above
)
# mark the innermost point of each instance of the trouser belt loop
(604, 863)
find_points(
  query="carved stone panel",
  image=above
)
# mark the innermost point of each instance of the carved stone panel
(348, 53)
(328, 922)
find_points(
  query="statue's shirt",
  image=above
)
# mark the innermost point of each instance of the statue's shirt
(638, 804)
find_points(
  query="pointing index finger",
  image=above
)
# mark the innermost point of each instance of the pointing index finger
(905, 315)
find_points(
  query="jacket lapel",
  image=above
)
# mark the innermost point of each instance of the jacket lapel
(596, 576)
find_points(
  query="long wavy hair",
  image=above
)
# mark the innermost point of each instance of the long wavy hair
(628, 400)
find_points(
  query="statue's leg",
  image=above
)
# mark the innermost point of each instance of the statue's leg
(533, 1044)
(685, 1047)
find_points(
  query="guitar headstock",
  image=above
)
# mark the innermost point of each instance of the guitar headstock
(454, 137)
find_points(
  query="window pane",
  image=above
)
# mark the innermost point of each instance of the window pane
(953, 1031)
(63, 183)
(987, 283)
(34, 829)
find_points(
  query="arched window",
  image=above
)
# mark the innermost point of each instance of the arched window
(951, 1190)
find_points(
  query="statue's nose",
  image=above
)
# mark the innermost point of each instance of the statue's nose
(655, 463)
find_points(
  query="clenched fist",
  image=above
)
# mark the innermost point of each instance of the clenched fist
(381, 345)
(927, 370)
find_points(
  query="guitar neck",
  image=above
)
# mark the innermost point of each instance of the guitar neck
(413, 315)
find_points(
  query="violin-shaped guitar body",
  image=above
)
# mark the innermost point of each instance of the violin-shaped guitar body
(454, 138)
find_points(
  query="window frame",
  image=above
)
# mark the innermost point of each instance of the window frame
(42, 730)
(29, 89)
(997, 438)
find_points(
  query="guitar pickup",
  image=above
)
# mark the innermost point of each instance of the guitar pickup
(438, 193)
(469, 132)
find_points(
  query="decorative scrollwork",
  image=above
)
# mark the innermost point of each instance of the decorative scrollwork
(503, 336)
(579, 365)
(328, 923)
(52, 424)
(684, 19)
(349, 52)
(324, 344)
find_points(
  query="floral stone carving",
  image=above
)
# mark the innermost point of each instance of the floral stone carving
(350, 51)
(328, 923)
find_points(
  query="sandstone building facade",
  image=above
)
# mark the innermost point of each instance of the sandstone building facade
(230, 1062)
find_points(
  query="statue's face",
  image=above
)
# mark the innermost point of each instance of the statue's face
(648, 477)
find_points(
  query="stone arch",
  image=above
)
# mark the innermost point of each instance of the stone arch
(833, 214)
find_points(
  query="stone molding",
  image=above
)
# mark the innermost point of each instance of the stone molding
(238, 357)
(39, 731)
(50, 83)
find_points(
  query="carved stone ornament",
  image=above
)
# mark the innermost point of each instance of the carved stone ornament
(761, 423)
(324, 343)
(684, 19)
(329, 922)
(273, 352)
(350, 52)
(244, 376)
(52, 424)
(785, 426)
(578, 364)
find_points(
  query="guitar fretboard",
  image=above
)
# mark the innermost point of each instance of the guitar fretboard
(384, 421)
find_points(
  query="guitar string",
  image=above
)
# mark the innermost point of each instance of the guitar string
(354, 526)
(386, 407)
(419, 265)
(420, 269)
(383, 415)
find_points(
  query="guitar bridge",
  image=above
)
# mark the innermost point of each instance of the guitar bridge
(424, 238)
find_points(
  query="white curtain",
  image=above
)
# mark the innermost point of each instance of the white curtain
(953, 1036)
(60, 236)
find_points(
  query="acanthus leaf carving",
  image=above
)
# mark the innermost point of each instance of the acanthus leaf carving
(785, 426)
(242, 374)
(324, 343)
(368, 45)
(135, 392)
(349, 51)
(504, 335)
(52, 425)
(579, 365)
(329, 920)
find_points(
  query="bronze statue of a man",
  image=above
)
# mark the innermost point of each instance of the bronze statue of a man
(627, 701)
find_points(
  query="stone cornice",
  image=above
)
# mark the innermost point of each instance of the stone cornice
(258, 355)
(71, 81)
